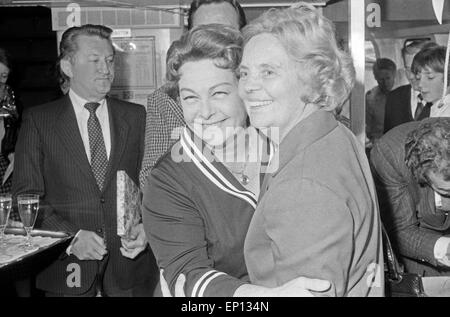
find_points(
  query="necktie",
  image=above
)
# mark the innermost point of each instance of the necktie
(425, 113)
(419, 107)
(99, 160)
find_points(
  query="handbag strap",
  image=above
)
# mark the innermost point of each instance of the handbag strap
(393, 266)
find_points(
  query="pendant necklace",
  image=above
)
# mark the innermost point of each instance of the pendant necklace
(239, 173)
(244, 179)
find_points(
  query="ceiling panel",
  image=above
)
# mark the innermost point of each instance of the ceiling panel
(144, 3)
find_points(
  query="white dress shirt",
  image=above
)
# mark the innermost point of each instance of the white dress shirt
(441, 109)
(82, 115)
(414, 100)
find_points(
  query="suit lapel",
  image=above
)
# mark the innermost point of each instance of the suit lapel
(119, 133)
(69, 133)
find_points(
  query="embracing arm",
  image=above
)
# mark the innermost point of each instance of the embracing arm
(160, 122)
(298, 287)
(177, 236)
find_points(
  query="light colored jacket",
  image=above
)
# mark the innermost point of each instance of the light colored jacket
(319, 215)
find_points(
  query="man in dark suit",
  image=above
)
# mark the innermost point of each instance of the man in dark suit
(412, 175)
(401, 103)
(398, 107)
(69, 152)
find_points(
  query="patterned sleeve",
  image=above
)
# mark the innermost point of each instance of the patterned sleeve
(163, 116)
(397, 206)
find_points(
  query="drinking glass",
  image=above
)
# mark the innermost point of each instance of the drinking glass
(28, 205)
(5, 208)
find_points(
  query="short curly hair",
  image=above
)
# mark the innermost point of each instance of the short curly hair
(427, 149)
(220, 43)
(325, 70)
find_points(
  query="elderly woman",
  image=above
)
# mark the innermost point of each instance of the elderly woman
(201, 195)
(428, 66)
(317, 215)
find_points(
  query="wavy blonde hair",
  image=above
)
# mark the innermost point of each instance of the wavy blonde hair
(326, 71)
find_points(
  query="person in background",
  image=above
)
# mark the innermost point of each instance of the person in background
(9, 123)
(411, 166)
(402, 102)
(227, 12)
(428, 66)
(384, 71)
(317, 214)
(164, 114)
(10, 115)
(69, 152)
(200, 196)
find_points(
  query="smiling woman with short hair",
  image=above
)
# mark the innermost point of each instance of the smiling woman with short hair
(317, 214)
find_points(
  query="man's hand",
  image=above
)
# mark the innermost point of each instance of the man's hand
(301, 287)
(136, 244)
(442, 251)
(179, 285)
(88, 246)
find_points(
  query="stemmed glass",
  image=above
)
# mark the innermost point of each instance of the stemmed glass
(5, 208)
(28, 205)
